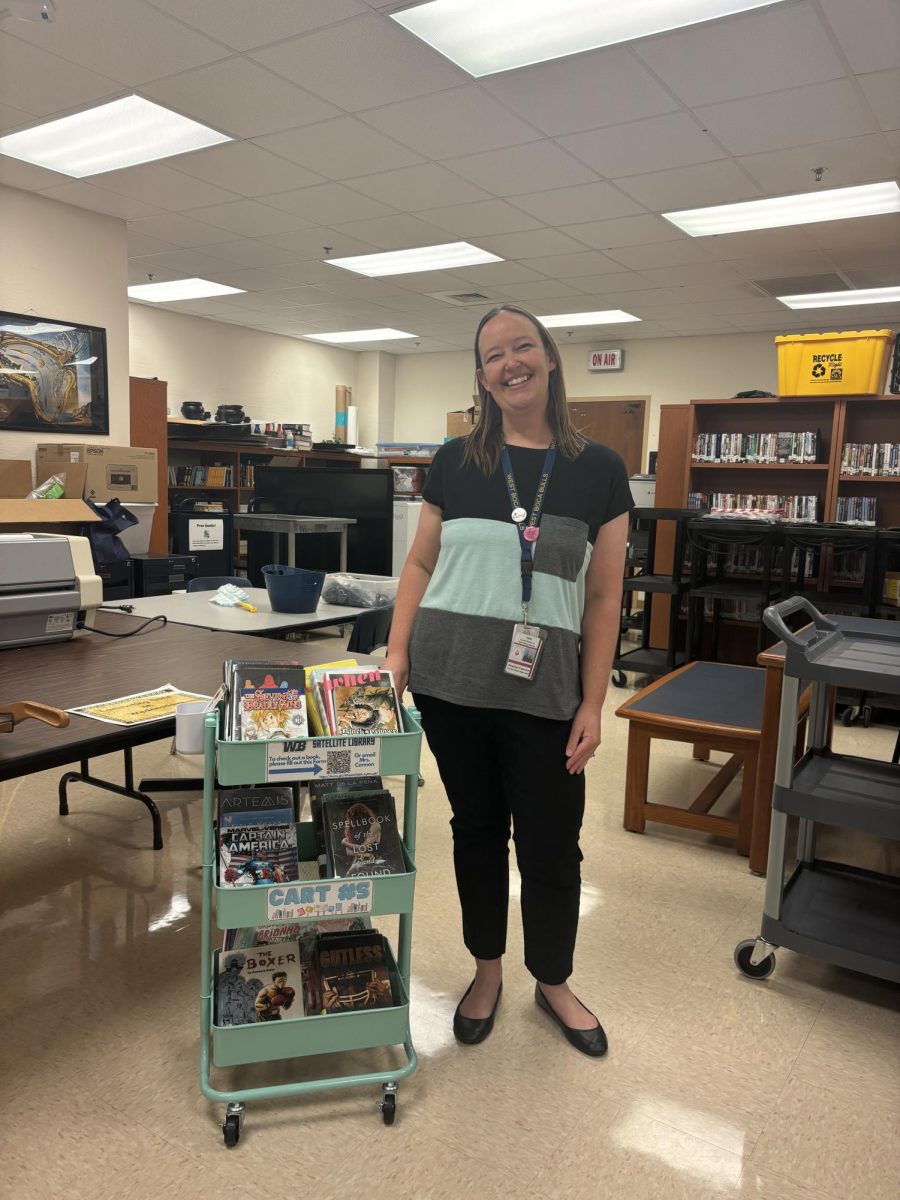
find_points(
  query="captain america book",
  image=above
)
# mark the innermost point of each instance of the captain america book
(258, 855)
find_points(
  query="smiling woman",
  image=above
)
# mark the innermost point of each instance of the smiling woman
(506, 618)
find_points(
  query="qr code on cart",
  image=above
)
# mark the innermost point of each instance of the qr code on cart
(337, 762)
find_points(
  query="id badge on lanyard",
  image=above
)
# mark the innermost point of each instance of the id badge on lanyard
(527, 640)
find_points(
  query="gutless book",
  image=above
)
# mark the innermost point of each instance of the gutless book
(351, 972)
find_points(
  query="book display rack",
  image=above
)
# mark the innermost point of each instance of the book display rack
(239, 763)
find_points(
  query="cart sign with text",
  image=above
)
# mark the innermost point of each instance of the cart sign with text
(606, 360)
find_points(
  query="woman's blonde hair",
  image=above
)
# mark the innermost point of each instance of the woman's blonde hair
(485, 443)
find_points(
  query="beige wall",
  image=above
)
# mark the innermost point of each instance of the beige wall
(66, 263)
(275, 378)
(669, 370)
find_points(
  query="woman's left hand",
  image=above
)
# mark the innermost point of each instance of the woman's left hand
(584, 738)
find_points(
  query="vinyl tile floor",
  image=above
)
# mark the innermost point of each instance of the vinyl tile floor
(714, 1086)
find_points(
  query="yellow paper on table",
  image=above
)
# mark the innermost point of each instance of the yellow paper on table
(140, 708)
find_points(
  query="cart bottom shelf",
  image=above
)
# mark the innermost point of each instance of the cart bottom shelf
(841, 914)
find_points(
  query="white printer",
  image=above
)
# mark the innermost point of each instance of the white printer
(48, 588)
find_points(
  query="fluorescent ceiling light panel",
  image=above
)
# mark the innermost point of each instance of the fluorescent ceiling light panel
(612, 316)
(120, 134)
(486, 37)
(835, 204)
(180, 289)
(879, 295)
(446, 257)
(360, 335)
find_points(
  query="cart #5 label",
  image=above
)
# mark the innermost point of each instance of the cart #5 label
(321, 900)
(332, 756)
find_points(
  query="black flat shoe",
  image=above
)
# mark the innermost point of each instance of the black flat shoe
(589, 1041)
(472, 1030)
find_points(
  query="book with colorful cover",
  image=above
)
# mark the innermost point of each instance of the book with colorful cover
(262, 805)
(319, 790)
(258, 855)
(351, 972)
(315, 711)
(271, 704)
(361, 834)
(361, 702)
(260, 984)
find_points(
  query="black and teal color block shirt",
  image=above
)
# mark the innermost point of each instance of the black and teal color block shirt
(463, 628)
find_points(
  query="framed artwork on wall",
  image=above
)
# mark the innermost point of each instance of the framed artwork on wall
(53, 376)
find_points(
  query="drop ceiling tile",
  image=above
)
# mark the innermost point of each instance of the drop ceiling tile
(865, 159)
(137, 43)
(249, 217)
(697, 325)
(783, 266)
(624, 231)
(796, 239)
(184, 263)
(462, 121)
(245, 26)
(252, 279)
(818, 112)
(267, 302)
(84, 195)
(883, 92)
(240, 98)
(12, 118)
(656, 306)
(339, 148)
(26, 176)
(310, 272)
(412, 188)
(691, 187)
(140, 243)
(739, 306)
(245, 169)
(424, 282)
(745, 55)
(856, 30)
(858, 234)
(400, 232)
(294, 296)
(177, 229)
(886, 258)
(253, 252)
(571, 206)
(533, 244)
(710, 295)
(136, 273)
(882, 274)
(500, 274)
(311, 243)
(568, 266)
(672, 140)
(156, 183)
(326, 204)
(661, 254)
(616, 281)
(518, 169)
(605, 87)
(711, 272)
(481, 219)
(42, 83)
(363, 63)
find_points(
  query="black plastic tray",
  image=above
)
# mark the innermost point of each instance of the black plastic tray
(864, 654)
(837, 789)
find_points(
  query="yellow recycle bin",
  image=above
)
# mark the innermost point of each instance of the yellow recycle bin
(827, 364)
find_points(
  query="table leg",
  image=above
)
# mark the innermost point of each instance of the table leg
(749, 799)
(292, 549)
(344, 550)
(637, 776)
(765, 769)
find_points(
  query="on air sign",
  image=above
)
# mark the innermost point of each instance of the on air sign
(606, 360)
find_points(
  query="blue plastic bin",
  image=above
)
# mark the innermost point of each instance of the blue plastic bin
(293, 589)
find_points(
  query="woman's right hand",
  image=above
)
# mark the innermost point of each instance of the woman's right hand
(398, 665)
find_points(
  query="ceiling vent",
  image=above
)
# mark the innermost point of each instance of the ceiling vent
(802, 285)
(460, 299)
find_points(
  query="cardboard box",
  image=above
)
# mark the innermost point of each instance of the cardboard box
(44, 516)
(125, 472)
(461, 423)
(75, 476)
(15, 478)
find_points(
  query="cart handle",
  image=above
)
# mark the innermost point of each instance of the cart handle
(775, 614)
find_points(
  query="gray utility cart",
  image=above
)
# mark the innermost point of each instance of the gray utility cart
(842, 914)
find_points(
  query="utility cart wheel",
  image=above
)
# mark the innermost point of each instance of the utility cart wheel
(231, 1128)
(867, 715)
(743, 952)
(388, 1102)
(848, 716)
(619, 679)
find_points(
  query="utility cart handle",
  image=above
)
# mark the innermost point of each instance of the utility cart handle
(774, 618)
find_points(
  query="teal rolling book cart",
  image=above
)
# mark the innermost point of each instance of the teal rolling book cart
(239, 764)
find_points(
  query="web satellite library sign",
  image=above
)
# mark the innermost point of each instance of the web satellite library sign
(606, 360)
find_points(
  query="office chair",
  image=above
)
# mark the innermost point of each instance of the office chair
(211, 583)
(371, 629)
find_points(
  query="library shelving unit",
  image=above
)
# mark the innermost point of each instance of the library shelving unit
(839, 420)
(833, 911)
(239, 763)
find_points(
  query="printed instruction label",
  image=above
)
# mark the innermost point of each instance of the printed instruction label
(206, 535)
(332, 756)
(336, 898)
(60, 622)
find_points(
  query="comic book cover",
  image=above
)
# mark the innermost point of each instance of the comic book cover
(234, 671)
(262, 983)
(255, 806)
(271, 703)
(361, 702)
(361, 834)
(351, 972)
(251, 855)
(319, 790)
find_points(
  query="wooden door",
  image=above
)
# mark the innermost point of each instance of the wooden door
(617, 422)
(149, 428)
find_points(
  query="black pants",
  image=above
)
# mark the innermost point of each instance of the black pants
(504, 769)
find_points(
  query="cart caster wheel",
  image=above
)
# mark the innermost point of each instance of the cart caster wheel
(867, 716)
(231, 1130)
(389, 1108)
(619, 679)
(761, 970)
(847, 717)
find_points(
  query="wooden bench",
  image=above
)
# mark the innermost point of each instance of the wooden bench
(714, 706)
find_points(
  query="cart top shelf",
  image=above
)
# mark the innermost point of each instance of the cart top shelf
(859, 653)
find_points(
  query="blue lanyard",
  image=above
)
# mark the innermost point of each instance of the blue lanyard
(527, 547)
